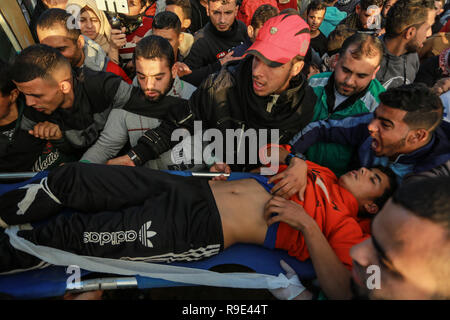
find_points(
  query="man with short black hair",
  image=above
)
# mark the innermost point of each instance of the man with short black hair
(405, 133)
(410, 245)
(166, 24)
(68, 110)
(314, 17)
(20, 151)
(408, 24)
(159, 88)
(215, 42)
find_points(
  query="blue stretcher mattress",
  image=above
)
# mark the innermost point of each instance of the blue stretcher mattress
(51, 281)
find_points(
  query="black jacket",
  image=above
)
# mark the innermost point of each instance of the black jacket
(199, 17)
(21, 151)
(96, 93)
(226, 100)
(429, 72)
(209, 46)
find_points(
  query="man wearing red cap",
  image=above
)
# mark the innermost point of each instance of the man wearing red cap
(265, 90)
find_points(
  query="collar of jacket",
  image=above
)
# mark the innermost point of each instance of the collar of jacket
(242, 68)
(292, 110)
(329, 90)
(223, 34)
(140, 105)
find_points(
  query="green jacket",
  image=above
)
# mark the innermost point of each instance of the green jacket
(335, 156)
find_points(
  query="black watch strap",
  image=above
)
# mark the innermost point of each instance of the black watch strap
(294, 155)
(134, 157)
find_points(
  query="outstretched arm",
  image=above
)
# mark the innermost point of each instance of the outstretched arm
(333, 276)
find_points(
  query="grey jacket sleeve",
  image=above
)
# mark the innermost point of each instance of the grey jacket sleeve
(114, 136)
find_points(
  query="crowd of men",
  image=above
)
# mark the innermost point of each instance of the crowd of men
(353, 95)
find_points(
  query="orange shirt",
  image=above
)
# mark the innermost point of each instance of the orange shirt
(335, 211)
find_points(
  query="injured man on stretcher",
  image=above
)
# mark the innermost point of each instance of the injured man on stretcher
(136, 213)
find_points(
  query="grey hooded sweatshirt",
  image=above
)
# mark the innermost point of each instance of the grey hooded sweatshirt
(397, 70)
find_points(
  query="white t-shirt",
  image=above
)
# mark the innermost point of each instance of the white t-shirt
(338, 99)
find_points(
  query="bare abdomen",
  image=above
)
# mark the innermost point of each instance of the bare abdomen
(241, 207)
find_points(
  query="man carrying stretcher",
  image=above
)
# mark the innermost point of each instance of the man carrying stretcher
(141, 214)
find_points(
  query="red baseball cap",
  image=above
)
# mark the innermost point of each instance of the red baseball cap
(280, 39)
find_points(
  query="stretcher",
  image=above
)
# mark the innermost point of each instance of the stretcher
(59, 276)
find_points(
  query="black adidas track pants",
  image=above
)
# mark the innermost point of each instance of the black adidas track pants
(124, 213)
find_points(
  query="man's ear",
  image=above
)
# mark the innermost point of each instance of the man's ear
(13, 95)
(418, 136)
(336, 56)
(333, 61)
(297, 67)
(65, 86)
(181, 37)
(371, 208)
(410, 33)
(174, 70)
(358, 9)
(375, 72)
(80, 42)
(250, 31)
(186, 23)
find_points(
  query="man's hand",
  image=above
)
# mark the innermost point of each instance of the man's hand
(286, 211)
(380, 32)
(121, 161)
(46, 130)
(181, 69)
(441, 86)
(118, 38)
(220, 167)
(228, 57)
(268, 153)
(293, 180)
(295, 290)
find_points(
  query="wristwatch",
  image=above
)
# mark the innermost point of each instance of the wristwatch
(294, 155)
(134, 157)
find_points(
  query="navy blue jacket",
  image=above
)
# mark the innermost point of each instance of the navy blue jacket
(353, 131)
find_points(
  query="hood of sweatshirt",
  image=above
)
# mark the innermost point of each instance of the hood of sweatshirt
(398, 70)
(94, 56)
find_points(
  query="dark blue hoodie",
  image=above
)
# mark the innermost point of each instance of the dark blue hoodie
(353, 131)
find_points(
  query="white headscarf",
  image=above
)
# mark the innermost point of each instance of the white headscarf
(104, 32)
